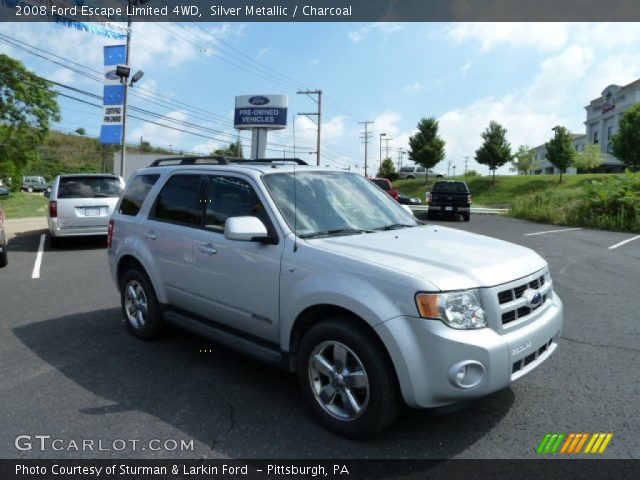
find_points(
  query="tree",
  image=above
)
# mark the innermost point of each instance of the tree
(27, 109)
(233, 150)
(523, 159)
(626, 142)
(560, 151)
(495, 150)
(427, 148)
(387, 169)
(589, 158)
(81, 131)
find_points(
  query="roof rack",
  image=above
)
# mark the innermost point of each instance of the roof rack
(221, 160)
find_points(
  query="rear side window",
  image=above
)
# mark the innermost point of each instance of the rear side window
(136, 193)
(89, 187)
(178, 201)
(383, 184)
(421, 169)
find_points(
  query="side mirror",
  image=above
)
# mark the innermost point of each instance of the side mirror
(47, 194)
(245, 229)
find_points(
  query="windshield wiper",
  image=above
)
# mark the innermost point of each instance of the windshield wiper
(336, 231)
(395, 226)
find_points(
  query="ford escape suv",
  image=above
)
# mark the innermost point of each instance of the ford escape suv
(322, 273)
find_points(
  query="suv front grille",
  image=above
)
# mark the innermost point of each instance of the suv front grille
(506, 296)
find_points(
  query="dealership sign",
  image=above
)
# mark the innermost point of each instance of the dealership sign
(261, 111)
(112, 128)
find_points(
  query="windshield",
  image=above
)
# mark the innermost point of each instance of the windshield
(89, 187)
(332, 203)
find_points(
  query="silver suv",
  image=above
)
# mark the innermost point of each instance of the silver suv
(322, 273)
(416, 171)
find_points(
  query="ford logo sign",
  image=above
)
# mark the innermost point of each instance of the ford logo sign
(533, 298)
(111, 75)
(258, 100)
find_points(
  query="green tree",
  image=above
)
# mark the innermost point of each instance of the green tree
(387, 169)
(233, 150)
(589, 158)
(523, 159)
(27, 109)
(560, 151)
(81, 131)
(427, 148)
(626, 142)
(495, 150)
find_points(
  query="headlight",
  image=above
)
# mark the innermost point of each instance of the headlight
(461, 310)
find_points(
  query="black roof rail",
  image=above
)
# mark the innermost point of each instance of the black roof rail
(220, 160)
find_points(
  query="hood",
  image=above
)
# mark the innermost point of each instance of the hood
(449, 258)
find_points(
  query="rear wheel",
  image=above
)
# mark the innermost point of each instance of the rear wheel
(3, 257)
(466, 217)
(140, 305)
(30, 189)
(347, 379)
(410, 177)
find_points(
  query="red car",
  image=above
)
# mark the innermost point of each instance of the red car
(385, 184)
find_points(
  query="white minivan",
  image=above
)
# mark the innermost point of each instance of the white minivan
(81, 204)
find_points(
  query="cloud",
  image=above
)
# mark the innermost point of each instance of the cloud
(413, 88)
(542, 36)
(386, 28)
(161, 136)
(465, 68)
(314, 61)
(264, 51)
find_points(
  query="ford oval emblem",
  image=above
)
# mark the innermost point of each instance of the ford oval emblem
(111, 75)
(533, 298)
(258, 100)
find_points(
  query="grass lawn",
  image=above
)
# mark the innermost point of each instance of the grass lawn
(23, 204)
(507, 188)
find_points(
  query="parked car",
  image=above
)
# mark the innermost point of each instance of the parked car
(35, 184)
(81, 205)
(450, 198)
(385, 185)
(407, 199)
(321, 273)
(407, 173)
(4, 190)
(3, 240)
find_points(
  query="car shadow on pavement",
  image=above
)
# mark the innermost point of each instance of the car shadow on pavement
(230, 405)
(29, 241)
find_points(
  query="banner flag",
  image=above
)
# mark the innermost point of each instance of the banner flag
(113, 96)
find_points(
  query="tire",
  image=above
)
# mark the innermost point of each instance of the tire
(3, 258)
(410, 177)
(377, 395)
(439, 176)
(30, 189)
(146, 325)
(466, 217)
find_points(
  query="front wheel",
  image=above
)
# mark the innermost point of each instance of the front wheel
(3, 258)
(140, 305)
(347, 379)
(30, 189)
(466, 217)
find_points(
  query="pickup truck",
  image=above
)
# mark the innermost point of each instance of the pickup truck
(450, 198)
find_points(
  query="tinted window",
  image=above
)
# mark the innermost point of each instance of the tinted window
(136, 192)
(178, 200)
(232, 197)
(89, 187)
(455, 187)
(406, 169)
(421, 169)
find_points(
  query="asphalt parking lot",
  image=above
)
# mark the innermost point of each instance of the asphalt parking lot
(71, 370)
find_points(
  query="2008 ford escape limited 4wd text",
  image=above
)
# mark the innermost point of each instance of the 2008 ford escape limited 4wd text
(322, 273)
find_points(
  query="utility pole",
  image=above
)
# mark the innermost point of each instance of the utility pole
(448, 167)
(454, 170)
(466, 164)
(381, 135)
(123, 146)
(386, 146)
(367, 137)
(317, 114)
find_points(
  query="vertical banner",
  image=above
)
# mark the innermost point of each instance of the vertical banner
(113, 96)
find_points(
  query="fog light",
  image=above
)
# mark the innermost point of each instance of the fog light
(466, 374)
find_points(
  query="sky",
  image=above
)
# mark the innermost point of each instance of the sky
(529, 77)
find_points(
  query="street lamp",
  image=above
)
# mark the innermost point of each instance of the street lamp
(454, 170)
(381, 135)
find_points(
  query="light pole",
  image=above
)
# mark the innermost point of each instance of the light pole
(381, 135)
(454, 170)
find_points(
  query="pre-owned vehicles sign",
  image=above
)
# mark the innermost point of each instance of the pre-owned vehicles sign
(261, 111)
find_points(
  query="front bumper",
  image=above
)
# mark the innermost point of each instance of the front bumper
(81, 231)
(424, 352)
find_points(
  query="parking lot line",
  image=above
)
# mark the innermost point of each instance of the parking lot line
(552, 231)
(624, 242)
(36, 266)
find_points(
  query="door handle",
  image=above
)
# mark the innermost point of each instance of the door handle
(207, 248)
(151, 235)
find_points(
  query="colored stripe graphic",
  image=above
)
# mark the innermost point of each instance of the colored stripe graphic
(573, 443)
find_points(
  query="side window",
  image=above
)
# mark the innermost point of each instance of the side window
(232, 197)
(178, 202)
(421, 169)
(136, 192)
